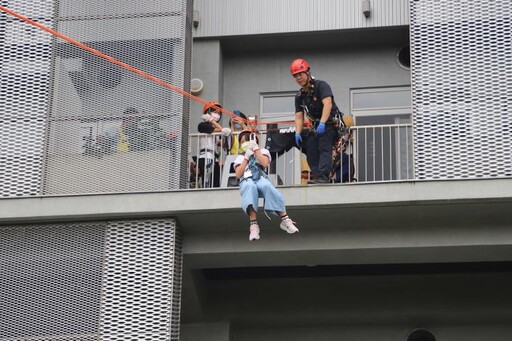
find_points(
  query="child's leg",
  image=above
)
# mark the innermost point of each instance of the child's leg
(287, 224)
(249, 193)
(254, 229)
(251, 213)
(274, 201)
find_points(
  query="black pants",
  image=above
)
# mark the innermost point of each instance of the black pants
(209, 173)
(319, 151)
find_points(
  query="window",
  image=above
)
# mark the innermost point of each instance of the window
(404, 58)
(280, 107)
(383, 133)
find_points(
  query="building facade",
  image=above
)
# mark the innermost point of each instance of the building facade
(102, 238)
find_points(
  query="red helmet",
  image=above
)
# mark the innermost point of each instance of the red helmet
(211, 105)
(299, 65)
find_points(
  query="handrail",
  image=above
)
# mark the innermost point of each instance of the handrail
(375, 153)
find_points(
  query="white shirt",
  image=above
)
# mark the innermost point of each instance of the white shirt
(207, 146)
(240, 158)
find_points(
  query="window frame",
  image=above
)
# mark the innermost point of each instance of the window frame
(294, 153)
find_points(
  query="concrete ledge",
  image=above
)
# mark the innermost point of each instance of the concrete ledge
(178, 203)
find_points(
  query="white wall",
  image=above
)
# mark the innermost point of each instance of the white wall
(246, 76)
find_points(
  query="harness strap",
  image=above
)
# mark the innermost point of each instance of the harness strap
(263, 174)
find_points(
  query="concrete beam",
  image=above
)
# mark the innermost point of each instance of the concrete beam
(185, 205)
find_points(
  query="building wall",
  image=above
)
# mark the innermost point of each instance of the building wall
(454, 306)
(382, 225)
(246, 17)
(346, 60)
(207, 65)
(248, 76)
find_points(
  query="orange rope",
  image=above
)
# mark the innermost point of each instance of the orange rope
(129, 67)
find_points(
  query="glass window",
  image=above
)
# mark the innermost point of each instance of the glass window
(278, 103)
(383, 133)
(392, 118)
(381, 98)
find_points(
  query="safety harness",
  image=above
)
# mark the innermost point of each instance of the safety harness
(335, 119)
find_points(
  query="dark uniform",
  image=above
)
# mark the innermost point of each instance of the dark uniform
(318, 147)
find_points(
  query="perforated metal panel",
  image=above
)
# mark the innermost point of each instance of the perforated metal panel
(461, 54)
(25, 64)
(90, 281)
(74, 122)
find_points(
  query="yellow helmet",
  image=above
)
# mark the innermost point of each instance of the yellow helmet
(348, 120)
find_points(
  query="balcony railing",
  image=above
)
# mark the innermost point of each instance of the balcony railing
(376, 153)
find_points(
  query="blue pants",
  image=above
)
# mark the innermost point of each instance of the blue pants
(251, 190)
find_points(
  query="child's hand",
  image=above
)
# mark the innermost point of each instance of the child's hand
(248, 153)
(206, 117)
(254, 145)
(226, 131)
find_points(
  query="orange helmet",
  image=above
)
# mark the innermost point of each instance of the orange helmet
(299, 65)
(211, 105)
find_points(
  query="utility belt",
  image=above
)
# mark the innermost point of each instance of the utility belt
(335, 119)
(332, 121)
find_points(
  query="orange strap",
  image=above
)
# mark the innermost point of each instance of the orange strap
(129, 67)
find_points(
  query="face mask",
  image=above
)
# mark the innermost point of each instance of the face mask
(238, 126)
(216, 117)
(245, 145)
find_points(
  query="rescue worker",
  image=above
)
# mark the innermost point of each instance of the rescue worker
(315, 100)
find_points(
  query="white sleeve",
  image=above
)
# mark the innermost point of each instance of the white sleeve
(266, 153)
(239, 159)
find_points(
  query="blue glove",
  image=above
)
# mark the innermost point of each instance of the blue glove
(320, 130)
(298, 139)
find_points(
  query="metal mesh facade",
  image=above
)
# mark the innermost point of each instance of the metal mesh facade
(118, 280)
(73, 122)
(25, 68)
(462, 85)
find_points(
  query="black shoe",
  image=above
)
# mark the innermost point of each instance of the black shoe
(320, 180)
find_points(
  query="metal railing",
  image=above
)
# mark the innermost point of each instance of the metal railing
(376, 153)
(383, 152)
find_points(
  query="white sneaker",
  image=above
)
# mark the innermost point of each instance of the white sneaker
(288, 226)
(254, 232)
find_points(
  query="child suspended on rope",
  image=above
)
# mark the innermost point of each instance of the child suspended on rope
(254, 184)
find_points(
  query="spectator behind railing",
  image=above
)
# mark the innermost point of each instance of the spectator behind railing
(236, 125)
(208, 165)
